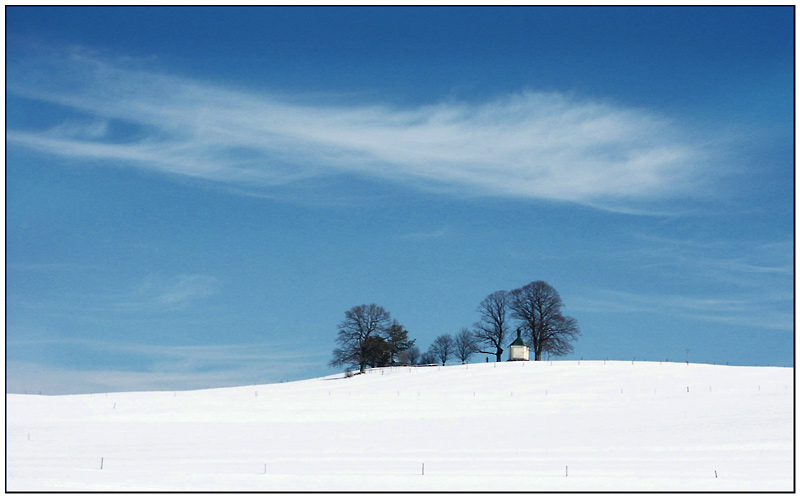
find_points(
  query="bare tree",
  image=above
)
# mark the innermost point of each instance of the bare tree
(538, 306)
(411, 355)
(358, 335)
(465, 345)
(427, 358)
(443, 347)
(491, 329)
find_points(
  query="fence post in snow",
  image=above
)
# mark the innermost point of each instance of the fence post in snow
(423, 469)
(101, 463)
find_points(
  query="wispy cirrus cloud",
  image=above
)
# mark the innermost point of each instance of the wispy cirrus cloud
(154, 295)
(742, 283)
(739, 263)
(176, 291)
(157, 367)
(159, 293)
(526, 145)
(425, 235)
(764, 312)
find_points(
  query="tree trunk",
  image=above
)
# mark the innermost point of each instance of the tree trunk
(537, 356)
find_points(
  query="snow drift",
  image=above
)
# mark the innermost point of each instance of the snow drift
(522, 426)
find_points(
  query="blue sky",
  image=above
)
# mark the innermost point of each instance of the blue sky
(196, 195)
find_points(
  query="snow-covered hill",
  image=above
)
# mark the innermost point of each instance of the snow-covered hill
(525, 426)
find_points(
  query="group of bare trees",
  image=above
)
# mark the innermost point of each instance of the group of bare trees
(368, 337)
(461, 347)
(535, 311)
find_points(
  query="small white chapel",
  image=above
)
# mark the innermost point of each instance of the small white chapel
(518, 350)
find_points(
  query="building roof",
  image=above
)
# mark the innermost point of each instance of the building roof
(518, 341)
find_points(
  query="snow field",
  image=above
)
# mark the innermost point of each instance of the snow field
(524, 426)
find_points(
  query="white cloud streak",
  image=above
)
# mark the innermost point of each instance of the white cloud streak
(739, 283)
(159, 292)
(760, 312)
(741, 263)
(528, 145)
(160, 367)
(425, 235)
(155, 295)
